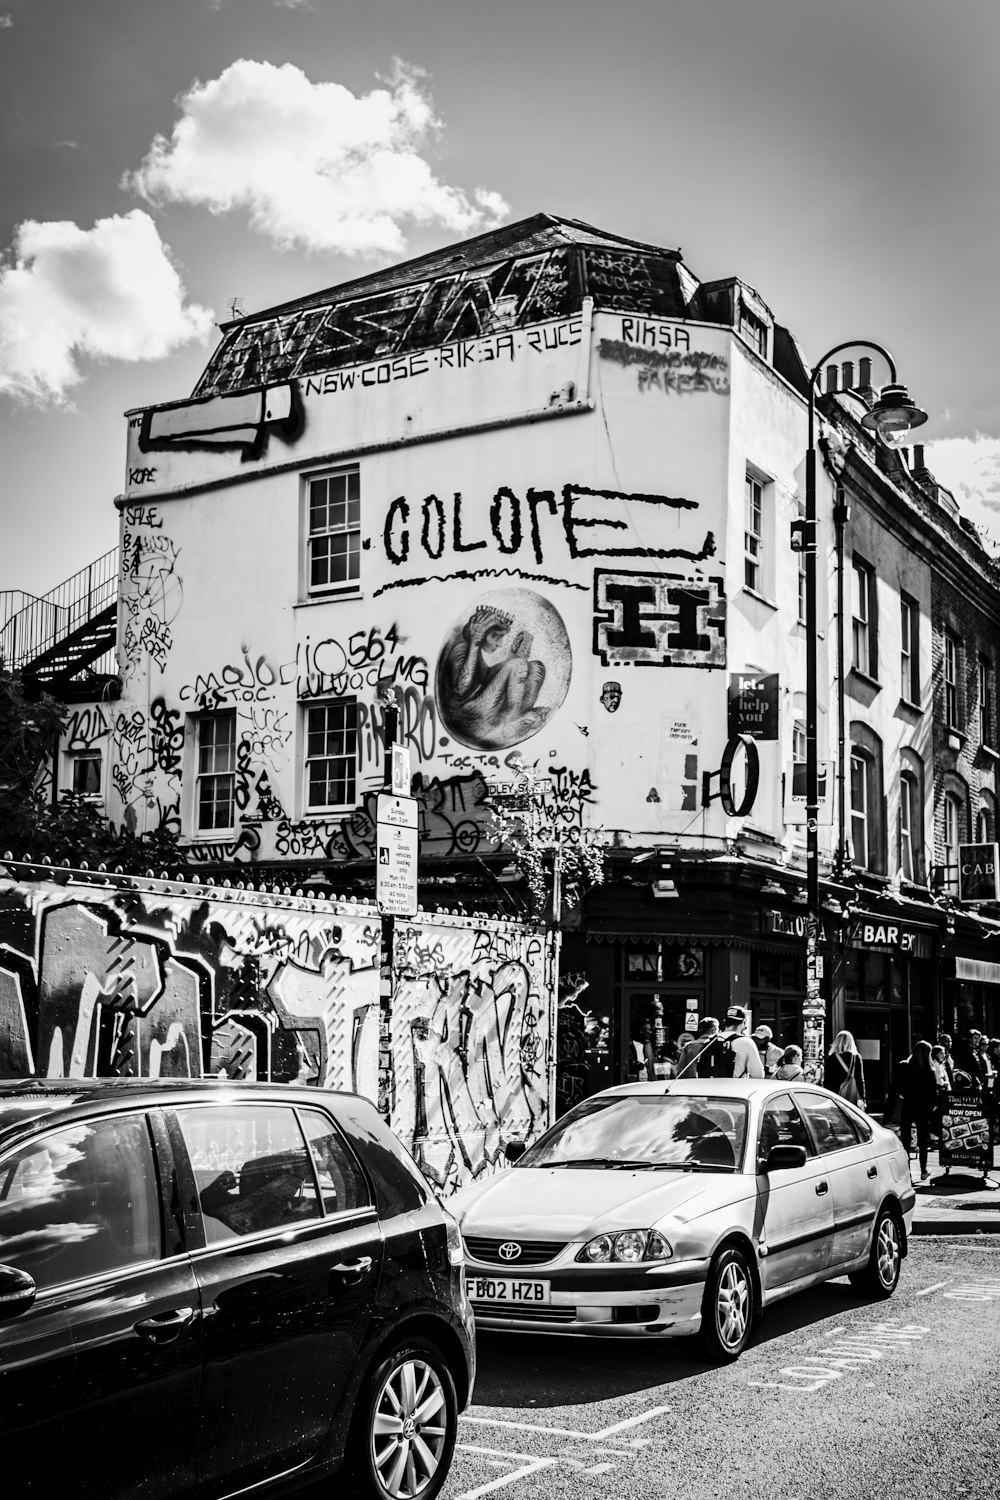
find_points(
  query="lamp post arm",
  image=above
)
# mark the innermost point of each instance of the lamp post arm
(817, 370)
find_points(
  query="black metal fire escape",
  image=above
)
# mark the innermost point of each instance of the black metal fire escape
(63, 643)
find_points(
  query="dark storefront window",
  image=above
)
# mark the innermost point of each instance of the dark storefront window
(777, 986)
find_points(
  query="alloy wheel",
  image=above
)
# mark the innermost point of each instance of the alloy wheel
(733, 1304)
(409, 1429)
(887, 1251)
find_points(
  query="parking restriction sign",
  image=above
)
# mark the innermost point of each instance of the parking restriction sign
(396, 855)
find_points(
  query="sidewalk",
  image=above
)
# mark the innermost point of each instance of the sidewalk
(955, 1203)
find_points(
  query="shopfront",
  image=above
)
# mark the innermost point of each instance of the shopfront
(890, 996)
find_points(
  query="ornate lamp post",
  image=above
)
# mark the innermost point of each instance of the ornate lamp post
(892, 418)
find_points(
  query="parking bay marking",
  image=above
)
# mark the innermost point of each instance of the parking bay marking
(852, 1348)
(570, 1432)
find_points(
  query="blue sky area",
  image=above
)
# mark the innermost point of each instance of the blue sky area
(159, 159)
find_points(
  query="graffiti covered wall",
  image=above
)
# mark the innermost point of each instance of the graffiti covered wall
(109, 976)
(524, 586)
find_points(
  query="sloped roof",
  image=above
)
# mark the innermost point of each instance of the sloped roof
(538, 268)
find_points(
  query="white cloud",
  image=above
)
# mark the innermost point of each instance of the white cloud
(970, 468)
(313, 165)
(6, 22)
(110, 292)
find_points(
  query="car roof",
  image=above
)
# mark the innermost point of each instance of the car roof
(730, 1088)
(28, 1099)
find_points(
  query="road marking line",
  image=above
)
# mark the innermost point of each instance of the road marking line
(531, 1467)
(935, 1288)
(569, 1432)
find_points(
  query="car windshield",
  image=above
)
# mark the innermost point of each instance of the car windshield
(691, 1132)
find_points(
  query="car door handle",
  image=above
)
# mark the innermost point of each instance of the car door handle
(352, 1271)
(164, 1327)
(873, 1171)
(822, 1187)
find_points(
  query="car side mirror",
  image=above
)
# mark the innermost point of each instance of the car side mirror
(514, 1150)
(17, 1292)
(785, 1158)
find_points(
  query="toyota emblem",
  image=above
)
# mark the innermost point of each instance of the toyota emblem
(509, 1250)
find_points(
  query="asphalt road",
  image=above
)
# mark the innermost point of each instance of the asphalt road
(835, 1397)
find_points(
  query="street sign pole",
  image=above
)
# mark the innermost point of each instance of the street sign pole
(385, 1075)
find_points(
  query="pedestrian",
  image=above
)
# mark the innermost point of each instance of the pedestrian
(940, 1068)
(694, 1045)
(844, 1071)
(733, 1054)
(989, 1072)
(790, 1066)
(944, 1041)
(968, 1059)
(918, 1086)
(770, 1055)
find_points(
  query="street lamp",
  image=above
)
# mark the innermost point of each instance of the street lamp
(892, 418)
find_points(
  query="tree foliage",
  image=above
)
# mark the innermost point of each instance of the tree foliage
(73, 830)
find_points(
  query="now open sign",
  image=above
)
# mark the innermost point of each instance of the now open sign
(977, 872)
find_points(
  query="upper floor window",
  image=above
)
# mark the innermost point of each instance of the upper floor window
(985, 701)
(951, 650)
(909, 660)
(868, 817)
(907, 824)
(864, 638)
(215, 798)
(860, 809)
(754, 331)
(801, 560)
(753, 535)
(331, 764)
(333, 506)
(953, 819)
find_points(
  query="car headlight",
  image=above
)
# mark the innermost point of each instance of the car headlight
(456, 1244)
(629, 1247)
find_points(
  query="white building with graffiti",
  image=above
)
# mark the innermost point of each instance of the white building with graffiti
(543, 483)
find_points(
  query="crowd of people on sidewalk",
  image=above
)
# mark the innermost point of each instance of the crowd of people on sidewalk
(924, 1080)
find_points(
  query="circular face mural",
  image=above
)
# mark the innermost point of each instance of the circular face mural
(504, 669)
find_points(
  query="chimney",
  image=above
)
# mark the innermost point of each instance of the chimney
(865, 387)
(848, 372)
(831, 378)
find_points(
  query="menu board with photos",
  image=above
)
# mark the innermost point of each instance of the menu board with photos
(966, 1134)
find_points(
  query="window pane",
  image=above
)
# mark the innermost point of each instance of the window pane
(829, 1123)
(781, 1125)
(342, 1185)
(331, 754)
(87, 775)
(80, 1202)
(251, 1167)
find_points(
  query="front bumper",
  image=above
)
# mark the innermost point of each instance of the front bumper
(620, 1303)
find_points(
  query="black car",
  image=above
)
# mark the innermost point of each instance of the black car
(211, 1286)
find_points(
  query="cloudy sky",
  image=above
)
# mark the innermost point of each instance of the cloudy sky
(159, 158)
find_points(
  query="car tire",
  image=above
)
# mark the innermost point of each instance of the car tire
(727, 1309)
(404, 1431)
(881, 1275)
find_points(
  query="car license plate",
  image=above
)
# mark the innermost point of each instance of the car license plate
(505, 1289)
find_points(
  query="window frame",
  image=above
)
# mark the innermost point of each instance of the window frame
(864, 626)
(954, 805)
(201, 776)
(950, 673)
(82, 758)
(909, 650)
(985, 702)
(351, 781)
(863, 814)
(350, 585)
(754, 541)
(908, 792)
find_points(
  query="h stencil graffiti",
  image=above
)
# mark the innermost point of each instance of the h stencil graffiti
(503, 670)
(659, 620)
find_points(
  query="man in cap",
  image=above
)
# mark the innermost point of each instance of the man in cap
(770, 1055)
(746, 1059)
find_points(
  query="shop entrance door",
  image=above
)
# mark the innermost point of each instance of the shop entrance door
(881, 1038)
(650, 1020)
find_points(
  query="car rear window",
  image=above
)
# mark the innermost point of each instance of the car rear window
(686, 1132)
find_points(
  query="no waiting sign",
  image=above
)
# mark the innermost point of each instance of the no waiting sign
(396, 855)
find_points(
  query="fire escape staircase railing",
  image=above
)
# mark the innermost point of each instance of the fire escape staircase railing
(64, 642)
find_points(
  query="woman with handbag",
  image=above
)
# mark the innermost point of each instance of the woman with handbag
(843, 1071)
(918, 1086)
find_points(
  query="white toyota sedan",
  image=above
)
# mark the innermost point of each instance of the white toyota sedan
(686, 1207)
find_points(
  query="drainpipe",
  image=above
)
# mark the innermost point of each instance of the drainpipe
(838, 1011)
